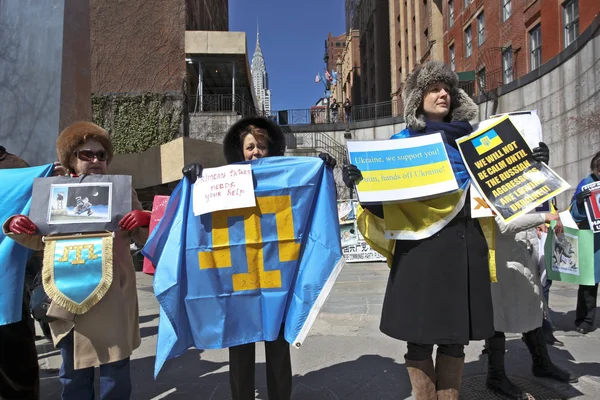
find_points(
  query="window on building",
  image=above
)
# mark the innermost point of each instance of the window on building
(467, 2)
(506, 9)
(426, 34)
(535, 47)
(451, 13)
(452, 58)
(468, 42)
(571, 21)
(507, 66)
(338, 44)
(481, 80)
(480, 29)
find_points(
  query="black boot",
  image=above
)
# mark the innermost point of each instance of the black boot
(497, 381)
(542, 364)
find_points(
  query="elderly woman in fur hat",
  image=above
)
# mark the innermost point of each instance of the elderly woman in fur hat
(439, 286)
(108, 333)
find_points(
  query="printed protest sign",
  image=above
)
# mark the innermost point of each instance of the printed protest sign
(402, 169)
(224, 188)
(481, 209)
(565, 253)
(502, 167)
(592, 206)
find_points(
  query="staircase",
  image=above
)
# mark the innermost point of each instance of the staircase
(311, 144)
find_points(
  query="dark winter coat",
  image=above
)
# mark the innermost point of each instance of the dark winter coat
(439, 291)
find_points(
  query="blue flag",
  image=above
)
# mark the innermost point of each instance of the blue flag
(17, 185)
(234, 277)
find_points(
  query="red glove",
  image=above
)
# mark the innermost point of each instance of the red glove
(134, 219)
(20, 224)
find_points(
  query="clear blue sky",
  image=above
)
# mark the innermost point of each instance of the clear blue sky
(292, 38)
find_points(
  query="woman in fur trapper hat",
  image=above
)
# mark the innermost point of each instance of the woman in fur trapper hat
(107, 334)
(439, 286)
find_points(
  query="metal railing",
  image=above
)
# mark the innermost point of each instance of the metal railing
(323, 115)
(222, 102)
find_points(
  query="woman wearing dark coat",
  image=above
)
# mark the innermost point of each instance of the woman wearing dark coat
(439, 286)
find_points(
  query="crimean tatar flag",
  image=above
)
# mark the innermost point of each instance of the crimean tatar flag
(237, 276)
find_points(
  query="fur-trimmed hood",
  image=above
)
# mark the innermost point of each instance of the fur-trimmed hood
(462, 107)
(232, 148)
(78, 133)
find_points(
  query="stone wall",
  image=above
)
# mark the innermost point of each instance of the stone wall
(211, 126)
(566, 94)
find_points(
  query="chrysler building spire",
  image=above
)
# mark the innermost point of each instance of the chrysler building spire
(260, 78)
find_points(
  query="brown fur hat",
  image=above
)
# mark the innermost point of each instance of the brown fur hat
(78, 133)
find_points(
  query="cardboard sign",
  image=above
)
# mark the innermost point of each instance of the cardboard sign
(502, 168)
(402, 169)
(592, 206)
(159, 205)
(224, 188)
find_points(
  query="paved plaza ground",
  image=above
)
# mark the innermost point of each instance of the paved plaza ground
(345, 355)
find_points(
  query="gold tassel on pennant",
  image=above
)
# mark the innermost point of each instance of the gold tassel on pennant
(65, 287)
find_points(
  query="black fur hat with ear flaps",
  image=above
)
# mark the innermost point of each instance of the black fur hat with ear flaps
(462, 107)
(232, 147)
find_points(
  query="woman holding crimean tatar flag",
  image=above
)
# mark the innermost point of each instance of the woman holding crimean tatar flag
(439, 286)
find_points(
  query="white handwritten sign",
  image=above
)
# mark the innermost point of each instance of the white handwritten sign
(223, 188)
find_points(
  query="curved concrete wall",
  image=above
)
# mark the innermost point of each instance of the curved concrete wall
(565, 93)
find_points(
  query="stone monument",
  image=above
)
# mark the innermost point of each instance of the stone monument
(44, 74)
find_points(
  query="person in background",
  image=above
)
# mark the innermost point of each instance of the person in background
(19, 371)
(586, 296)
(348, 110)
(538, 242)
(335, 108)
(94, 338)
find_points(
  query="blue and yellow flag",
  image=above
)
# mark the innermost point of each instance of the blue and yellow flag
(17, 185)
(486, 142)
(234, 277)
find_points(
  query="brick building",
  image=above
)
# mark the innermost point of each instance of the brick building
(374, 28)
(416, 36)
(349, 77)
(501, 40)
(140, 79)
(335, 50)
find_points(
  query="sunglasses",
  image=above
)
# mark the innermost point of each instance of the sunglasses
(89, 155)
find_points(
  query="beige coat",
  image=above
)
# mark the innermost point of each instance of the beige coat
(517, 297)
(109, 331)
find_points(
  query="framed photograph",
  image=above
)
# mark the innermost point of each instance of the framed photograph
(90, 203)
(80, 203)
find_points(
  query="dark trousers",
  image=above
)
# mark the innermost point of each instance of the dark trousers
(547, 323)
(421, 352)
(19, 371)
(78, 384)
(586, 305)
(279, 370)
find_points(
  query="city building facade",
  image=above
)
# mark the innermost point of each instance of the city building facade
(335, 50)
(349, 76)
(416, 36)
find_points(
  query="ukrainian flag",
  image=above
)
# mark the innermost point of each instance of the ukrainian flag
(486, 142)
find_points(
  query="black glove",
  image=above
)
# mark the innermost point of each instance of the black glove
(192, 172)
(581, 196)
(542, 153)
(328, 160)
(351, 175)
